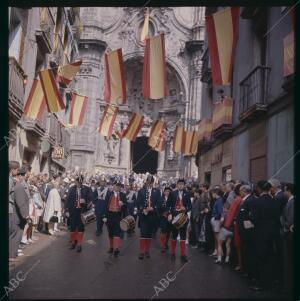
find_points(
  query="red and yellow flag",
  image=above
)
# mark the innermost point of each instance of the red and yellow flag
(114, 78)
(145, 29)
(154, 84)
(289, 54)
(205, 129)
(51, 93)
(222, 34)
(78, 108)
(222, 113)
(177, 139)
(189, 143)
(66, 73)
(134, 126)
(157, 137)
(108, 119)
(36, 103)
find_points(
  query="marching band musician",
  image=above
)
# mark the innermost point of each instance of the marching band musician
(78, 199)
(165, 225)
(148, 202)
(99, 203)
(114, 211)
(131, 203)
(180, 203)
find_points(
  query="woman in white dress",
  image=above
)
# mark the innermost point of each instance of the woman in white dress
(53, 206)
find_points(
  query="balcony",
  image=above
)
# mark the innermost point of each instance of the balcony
(222, 119)
(43, 35)
(38, 127)
(254, 93)
(16, 89)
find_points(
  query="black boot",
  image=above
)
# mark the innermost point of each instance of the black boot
(184, 259)
(79, 248)
(141, 256)
(110, 251)
(73, 245)
(116, 253)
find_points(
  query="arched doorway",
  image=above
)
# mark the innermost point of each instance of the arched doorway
(144, 159)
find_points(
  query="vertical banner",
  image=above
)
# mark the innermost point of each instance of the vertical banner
(66, 73)
(36, 103)
(108, 120)
(157, 137)
(154, 85)
(78, 109)
(189, 143)
(222, 34)
(205, 129)
(134, 126)
(114, 78)
(145, 29)
(177, 140)
(288, 54)
(51, 93)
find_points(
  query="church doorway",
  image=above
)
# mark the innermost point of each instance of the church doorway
(144, 159)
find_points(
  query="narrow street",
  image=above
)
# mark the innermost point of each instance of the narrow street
(54, 271)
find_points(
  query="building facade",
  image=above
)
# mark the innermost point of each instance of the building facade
(39, 38)
(259, 142)
(109, 28)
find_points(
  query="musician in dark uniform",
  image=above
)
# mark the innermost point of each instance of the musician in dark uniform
(165, 225)
(131, 204)
(180, 202)
(114, 211)
(78, 199)
(99, 203)
(148, 200)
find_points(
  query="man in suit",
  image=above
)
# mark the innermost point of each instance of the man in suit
(180, 203)
(78, 199)
(288, 235)
(114, 211)
(148, 200)
(245, 229)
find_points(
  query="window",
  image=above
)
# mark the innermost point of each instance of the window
(226, 174)
(207, 177)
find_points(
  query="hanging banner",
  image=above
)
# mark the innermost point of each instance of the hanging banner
(222, 34)
(177, 140)
(36, 102)
(108, 120)
(157, 137)
(205, 129)
(154, 85)
(114, 78)
(66, 73)
(288, 54)
(134, 126)
(145, 29)
(188, 143)
(78, 109)
(222, 113)
(51, 93)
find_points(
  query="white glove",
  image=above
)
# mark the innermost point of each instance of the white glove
(104, 220)
(169, 217)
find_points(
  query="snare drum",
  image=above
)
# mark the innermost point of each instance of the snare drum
(88, 216)
(179, 220)
(127, 223)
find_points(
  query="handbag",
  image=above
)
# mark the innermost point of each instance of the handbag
(54, 218)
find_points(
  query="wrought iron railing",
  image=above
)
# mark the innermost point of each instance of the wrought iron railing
(254, 88)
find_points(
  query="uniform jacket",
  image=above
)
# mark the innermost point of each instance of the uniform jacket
(164, 205)
(86, 194)
(108, 198)
(142, 201)
(99, 196)
(186, 201)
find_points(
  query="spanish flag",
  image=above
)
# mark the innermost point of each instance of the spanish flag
(222, 113)
(222, 34)
(51, 93)
(78, 108)
(145, 29)
(288, 54)
(134, 126)
(177, 140)
(189, 142)
(195, 140)
(154, 84)
(157, 137)
(205, 129)
(66, 73)
(36, 103)
(114, 78)
(108, 119)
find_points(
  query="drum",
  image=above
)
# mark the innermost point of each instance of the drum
(127, 223)
(179, 220)
(88, 216)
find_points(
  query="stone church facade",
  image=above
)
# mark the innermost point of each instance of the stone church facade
(109, 28)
